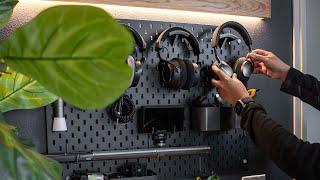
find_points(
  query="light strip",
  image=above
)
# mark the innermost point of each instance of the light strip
(156, 14)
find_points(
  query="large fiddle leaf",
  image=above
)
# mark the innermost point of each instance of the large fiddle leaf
(18, 91)
(76, 52)
(6, 9)
(19, 161)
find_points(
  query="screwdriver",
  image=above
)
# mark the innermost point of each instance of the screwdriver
(253, 92)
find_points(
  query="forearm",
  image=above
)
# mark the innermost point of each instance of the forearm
(297, 158)
(304, 86)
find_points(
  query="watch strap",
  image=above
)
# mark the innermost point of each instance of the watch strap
(241, 104)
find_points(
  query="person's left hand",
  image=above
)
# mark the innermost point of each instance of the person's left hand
(230, 89)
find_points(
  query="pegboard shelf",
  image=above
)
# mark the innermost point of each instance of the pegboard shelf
(94, 131)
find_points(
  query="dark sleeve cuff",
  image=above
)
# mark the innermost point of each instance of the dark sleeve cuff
(290, 84)
(248, 117)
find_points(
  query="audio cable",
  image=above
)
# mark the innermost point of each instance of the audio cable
(123, 110)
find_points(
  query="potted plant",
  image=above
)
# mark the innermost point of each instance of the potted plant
(77, 53)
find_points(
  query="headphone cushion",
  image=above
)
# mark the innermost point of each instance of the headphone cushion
(190, 75)
(183, 74)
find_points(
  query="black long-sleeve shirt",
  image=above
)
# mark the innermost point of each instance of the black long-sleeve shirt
(299, 159)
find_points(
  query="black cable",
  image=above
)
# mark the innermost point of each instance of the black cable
(123, 110)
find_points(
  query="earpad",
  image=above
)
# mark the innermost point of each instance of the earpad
(173, 74)
(190, 75)
(184, 72)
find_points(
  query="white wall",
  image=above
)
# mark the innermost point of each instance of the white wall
(311, 116)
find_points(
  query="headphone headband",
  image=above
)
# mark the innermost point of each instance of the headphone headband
(137, 37)
(234, 25)
(178, 31)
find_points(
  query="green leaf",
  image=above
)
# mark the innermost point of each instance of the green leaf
(76, 52)
(18, 91)
(20, 162)
(6, 9)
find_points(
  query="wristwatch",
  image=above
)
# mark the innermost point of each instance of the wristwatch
(240, 104)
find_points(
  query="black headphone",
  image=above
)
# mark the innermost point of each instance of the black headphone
(177, 73)
(242, 66)
(136, 64)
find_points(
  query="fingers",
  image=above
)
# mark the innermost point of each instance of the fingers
(258, 66)
(258, 71)
(261, 52)
(221, 75)
(215, 83)
(234, 76)
(257, 57)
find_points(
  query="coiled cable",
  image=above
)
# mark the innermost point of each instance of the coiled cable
(123, 110)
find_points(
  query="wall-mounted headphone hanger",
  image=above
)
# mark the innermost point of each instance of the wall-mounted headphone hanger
(242, 66)
(178, 73)
(136, 64)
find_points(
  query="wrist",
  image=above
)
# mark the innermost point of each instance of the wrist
(242, 104)
(284, 73)
(244, 96)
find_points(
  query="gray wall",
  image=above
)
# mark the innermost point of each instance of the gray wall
(312, 66)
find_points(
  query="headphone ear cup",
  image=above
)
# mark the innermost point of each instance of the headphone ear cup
(190, 75)
(137, 73)
(236, 68)
(183, 75)
(131, 63)
(243, 68)
(174, 73)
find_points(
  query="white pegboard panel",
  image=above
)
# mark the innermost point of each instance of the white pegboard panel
(95, 131)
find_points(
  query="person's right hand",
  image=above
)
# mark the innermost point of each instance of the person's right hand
(268, 64)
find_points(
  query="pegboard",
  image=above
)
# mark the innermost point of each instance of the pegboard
(95, 131)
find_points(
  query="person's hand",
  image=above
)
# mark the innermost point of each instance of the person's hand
(230, 89)
(268, 64)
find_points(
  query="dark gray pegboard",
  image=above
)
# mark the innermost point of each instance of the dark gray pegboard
(95, 131)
